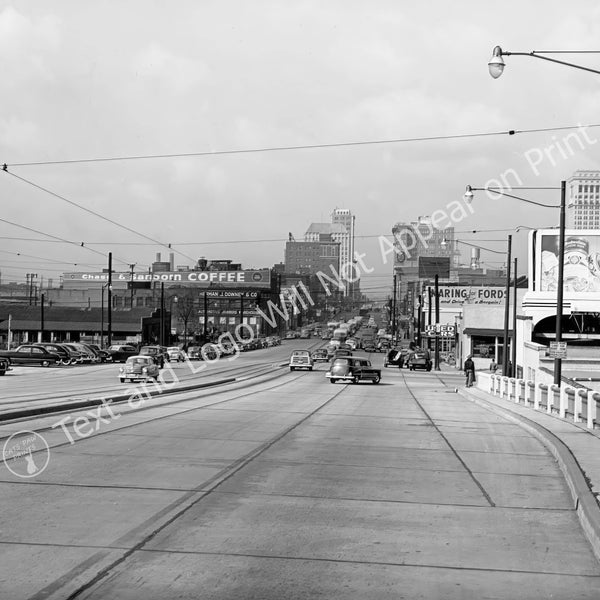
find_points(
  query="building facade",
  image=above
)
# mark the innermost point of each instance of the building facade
(583, 200)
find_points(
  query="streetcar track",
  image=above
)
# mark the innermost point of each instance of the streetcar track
(189, 499)
(211, 391)
(441, 434)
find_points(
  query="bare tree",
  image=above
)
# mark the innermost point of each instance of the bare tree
(186, 310)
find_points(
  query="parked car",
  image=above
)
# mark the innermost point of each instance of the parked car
(353, 370)
(419, 359)
(4, 365)
(67, 357)
(30, 354)
(103, 355)
(156, 352)
(301, 359)
(320, 355)
(175, 353)
(86, 354)
(395, 358)
(121, 352)
(139, 368)
(193, 353)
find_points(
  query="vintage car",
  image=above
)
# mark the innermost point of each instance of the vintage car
(301, 359)
(395, 358)
(340, 353)
(419, 358)
(121, 352)
(4, 365)
(320, 355)
(30, 354)
(139, 368)
(156, 352)
(193, 353)
(353, 369)
(175, 354)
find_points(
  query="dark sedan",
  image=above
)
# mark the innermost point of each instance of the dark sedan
(121, 352)
(30, 354)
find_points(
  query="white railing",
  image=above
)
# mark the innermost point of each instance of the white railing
(567, 402)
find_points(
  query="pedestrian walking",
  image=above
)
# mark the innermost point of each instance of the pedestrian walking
(469, 369)
(493, 366)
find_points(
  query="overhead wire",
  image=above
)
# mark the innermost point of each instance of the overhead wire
(406, 140)
(96, 214)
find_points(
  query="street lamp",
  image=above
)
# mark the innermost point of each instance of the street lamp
(561, 255)
(496, 64)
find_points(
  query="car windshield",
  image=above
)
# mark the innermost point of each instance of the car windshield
(341, 361)
(138, 361)
(300, 353)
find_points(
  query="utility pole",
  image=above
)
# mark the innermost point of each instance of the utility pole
(505, 349)
(42, 318)
(109, 301)
(514, 339)
(131, 283)
(437, 322)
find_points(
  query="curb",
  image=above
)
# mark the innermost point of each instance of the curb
(584, 500)
(119, 399)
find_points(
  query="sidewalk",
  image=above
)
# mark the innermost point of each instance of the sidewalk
(575, 448)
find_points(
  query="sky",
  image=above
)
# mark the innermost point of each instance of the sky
(132, 79)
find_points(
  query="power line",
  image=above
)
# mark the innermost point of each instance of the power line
(297, 147)
(88, 210)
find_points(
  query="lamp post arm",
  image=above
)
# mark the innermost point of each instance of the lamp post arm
(537, 54)
(498, 191)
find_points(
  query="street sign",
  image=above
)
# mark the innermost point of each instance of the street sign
(557, 350)
(439, 330)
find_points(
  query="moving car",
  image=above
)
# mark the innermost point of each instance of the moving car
(301, 359)
(320, 355)
(156, 352)
(353, 369)
(419, 359)
(175, 353)
(121, 352)
(139, 368)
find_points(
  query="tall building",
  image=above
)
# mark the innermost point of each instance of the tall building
(583, 200)
(341, 230)
(309, 258)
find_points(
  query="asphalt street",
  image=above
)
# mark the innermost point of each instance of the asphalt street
(296, 488)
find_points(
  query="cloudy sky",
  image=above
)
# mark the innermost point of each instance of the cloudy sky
(89, 80)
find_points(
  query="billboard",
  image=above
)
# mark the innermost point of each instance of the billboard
(471, 294)
(250, 278)
(581, 273)
(430, 266)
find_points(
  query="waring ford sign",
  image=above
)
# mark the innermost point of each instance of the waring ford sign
(471, 294)
(254, 278)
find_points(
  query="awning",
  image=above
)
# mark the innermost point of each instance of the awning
(485, 332)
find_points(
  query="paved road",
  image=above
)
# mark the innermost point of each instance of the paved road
(296, 488)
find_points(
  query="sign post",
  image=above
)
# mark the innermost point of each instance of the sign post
(557, 350)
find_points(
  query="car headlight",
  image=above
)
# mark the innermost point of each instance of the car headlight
(121, 369)
(144, 369)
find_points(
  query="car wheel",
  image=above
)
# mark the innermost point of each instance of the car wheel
(376, 379)
(310, 368)
(45, 363)
(292, 368)
(332, 380)
(356, 379)
(122, 380)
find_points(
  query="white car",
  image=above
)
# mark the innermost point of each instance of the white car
(175, 353)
